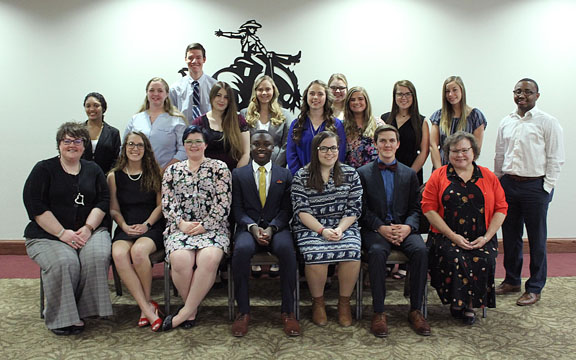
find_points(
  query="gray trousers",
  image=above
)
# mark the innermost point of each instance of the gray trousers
(75, 281)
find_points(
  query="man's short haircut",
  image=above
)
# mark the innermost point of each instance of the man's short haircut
(261, 131)
(385, 127)
(532, 81)
(195, 46)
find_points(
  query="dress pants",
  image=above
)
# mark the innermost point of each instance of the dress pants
(245, 246)
(378, 248)
(527, 205)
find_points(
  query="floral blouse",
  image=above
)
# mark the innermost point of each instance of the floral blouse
(361, 150)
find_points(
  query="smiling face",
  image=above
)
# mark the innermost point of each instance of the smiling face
(72, 151)
(328, 152)
(525, 96)
(220, 101)
(357, 102)
(93, 108)
(403, 97)
(264, 92)
(387, 145)
(316, 97)
(134, 148)
(156, 93)
(195, 62)
(461, 154)
(339, 90)
(453, 93)
(261, 148)
(195, 146)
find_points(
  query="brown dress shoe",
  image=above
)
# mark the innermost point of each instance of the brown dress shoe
(528, 298)
(291, 326)
(240, 326)
(419, 323)
(344, 311)
(379, 327)
(505, 288)
(319, 311)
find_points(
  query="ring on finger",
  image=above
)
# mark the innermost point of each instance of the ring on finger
(73, 242)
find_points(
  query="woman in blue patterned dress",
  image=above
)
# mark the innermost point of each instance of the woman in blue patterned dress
(327, 201)
(196, 199)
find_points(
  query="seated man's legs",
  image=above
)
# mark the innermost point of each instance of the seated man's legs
(244, 248)
(415, 249)
(377, 249)
(282, 246)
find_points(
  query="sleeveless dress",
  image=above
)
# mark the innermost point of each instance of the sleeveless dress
(136, 206)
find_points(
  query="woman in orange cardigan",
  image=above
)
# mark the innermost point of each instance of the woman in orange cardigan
(465, 205)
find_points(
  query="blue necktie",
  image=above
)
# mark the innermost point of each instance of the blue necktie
(196, 99)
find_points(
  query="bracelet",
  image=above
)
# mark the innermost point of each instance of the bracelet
(89, 227)
(60, 233)
(321, 230)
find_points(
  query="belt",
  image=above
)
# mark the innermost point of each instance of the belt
(524, 178)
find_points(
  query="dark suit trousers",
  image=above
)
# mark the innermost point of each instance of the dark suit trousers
(282, 246)
(378, 249)
(527, 205)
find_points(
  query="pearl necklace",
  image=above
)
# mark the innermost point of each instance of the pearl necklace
(133, 178)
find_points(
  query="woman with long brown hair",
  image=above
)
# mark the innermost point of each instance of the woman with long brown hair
(227, 135)
(135, 185)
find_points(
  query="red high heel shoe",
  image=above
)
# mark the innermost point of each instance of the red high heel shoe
(143, 322)
(157, 324)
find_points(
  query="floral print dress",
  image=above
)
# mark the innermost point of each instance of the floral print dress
(457, 274)
(361, 150)
(204, 195)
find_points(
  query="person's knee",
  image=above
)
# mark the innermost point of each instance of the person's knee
(140, 254)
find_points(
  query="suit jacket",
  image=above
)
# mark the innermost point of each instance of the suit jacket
(246, 206)
(107, 149)
(405, 199)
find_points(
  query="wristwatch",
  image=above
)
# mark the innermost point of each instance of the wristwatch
(148, 225)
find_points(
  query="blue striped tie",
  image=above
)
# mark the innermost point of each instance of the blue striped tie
(196, 99)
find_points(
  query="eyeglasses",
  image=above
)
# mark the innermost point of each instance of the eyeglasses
(338, 88)
(325, 149)
(76, 142)
(196, 142)
(526, 92)
(132, 145)
(404, 95)
(460, 151)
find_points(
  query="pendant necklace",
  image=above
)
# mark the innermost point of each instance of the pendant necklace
(79, 200)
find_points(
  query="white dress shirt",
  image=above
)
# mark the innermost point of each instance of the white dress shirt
(268, 168)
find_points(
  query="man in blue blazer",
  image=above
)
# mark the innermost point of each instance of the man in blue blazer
(262, 209)
(390, 219)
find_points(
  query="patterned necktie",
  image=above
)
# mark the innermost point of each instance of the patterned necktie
(196, 99)
(392, 167)
(262, 185)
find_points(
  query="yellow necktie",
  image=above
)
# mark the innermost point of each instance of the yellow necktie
(262, 185)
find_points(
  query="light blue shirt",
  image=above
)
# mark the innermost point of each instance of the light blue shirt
(181, 94)
(165, 135)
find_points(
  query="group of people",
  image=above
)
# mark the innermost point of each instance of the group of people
(198, 178)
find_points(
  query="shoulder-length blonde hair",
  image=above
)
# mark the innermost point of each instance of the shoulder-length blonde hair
(230, 122)
(168, 107)
(448, 110)
(274, 108)
(368, 123)
(327, 114)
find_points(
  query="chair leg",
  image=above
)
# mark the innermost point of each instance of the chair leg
(359, 290)
(297, 294)
(407, 283)
(230, 291)
(41, 296)
(117, 282)
(167, 282)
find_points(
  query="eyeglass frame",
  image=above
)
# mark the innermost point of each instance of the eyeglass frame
(324, 149)
(132, 145)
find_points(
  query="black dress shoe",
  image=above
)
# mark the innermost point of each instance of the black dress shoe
(188, 324)
(65, 331)
(167, 323)
(75, 329)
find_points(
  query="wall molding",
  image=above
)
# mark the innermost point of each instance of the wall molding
(555, 245)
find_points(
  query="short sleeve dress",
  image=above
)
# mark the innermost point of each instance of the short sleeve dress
(328, 207)
(136, 206)
(204, 195)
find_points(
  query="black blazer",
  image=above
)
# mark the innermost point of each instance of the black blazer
(107, 149)
(405, 199)
(246, 206)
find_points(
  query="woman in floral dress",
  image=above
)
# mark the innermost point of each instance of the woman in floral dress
(196, 199)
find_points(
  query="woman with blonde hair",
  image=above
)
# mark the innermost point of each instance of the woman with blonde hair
(264, 113)
(161, 122)
(339, 87)
(315, 116)
(135, 193)
(455, 115)
(359, 126)
(227, 135)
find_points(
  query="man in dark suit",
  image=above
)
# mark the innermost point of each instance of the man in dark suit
(262, 209)
(390, 219)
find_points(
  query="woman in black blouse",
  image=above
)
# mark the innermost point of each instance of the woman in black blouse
(66, 199)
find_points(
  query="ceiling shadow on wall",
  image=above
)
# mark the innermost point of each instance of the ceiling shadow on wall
(51, 10)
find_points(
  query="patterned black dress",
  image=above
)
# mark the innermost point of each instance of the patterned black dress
(457, 274)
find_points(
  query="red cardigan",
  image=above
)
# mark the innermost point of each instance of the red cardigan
(494, 198)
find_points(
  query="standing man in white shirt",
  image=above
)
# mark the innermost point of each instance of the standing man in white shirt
(529, 156)
(191, 94)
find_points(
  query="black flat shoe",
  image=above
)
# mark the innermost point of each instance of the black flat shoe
(167, 323)
(75, 329)
(457, 313)
(65, 331)
(188, 324)
(469, 316)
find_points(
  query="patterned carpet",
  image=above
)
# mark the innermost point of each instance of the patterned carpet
(544, 331)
